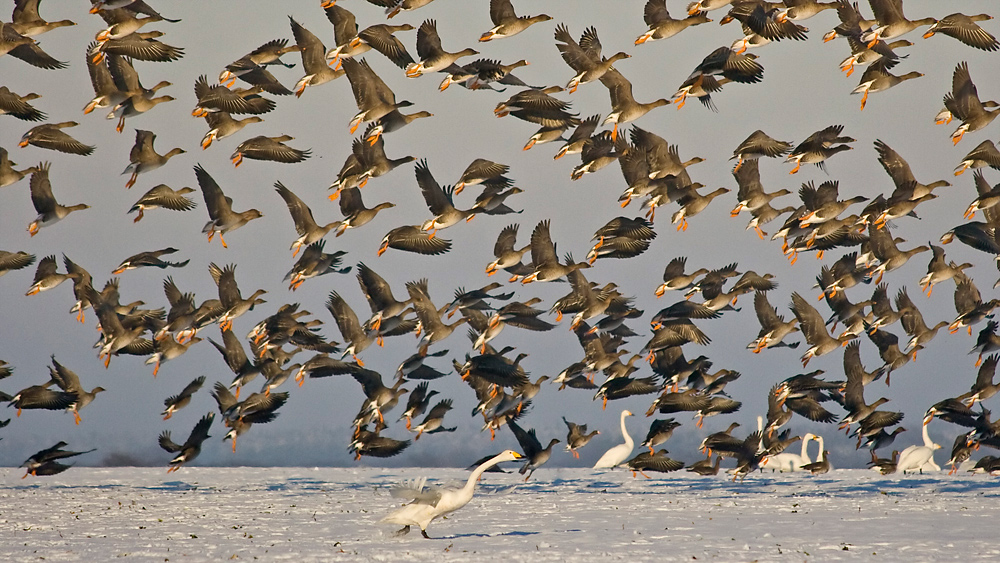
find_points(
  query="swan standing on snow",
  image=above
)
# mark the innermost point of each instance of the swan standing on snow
(918, 458)
(426, 505)
(786, 461)
(618, 454)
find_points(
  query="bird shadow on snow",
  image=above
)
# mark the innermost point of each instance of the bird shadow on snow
(495, 535)
(47, 486)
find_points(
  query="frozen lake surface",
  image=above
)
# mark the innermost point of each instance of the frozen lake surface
(330, 514)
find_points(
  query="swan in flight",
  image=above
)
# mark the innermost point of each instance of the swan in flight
(618, 454)
(918, 458)
(428, 504)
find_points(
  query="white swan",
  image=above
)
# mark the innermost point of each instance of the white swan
(618, 454)
(786, 461)
(918, 458)
(426, 505)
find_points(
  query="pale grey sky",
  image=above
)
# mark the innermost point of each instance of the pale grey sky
(802, 91)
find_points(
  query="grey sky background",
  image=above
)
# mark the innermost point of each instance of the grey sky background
(803, 91)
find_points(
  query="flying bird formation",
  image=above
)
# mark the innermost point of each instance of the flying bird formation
(863, 327)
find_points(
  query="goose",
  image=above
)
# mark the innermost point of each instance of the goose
(69, 382)
(659, 432)
(314, 262)
(163, 196)
(222, 217)
(751, 193)
(25, 48)
(412, 238)
(176, 402)
(370, 443)
(705, 466)
(434, 421)
(813, 328)
(803, 9)
(882, 54)
(662, 26)
(379, 295)
(149, 259)
(432, 56)
(41, 397)
(939, 270)
(818, 147)
(577, 437)
(658, 461)
(47, 275)
(143, 157)
(352, 43)
(692, 204)
(44, 462)
(581, 134)
(143, 46)
(877, 78)
(393, 121)
(535, 455)
(307, 228)
(233, 304)
(507, 23)
(9, 176)
(393, 7)
(983, 388)
(821, 465)
(584, 57)
(891, 21)
(51, 136)
(373, 96)
(26, 21)
(426, 505)
(267, 54)
(191, 447)
(313, 62)
(965, 29)
(417, 402)
(706, 6)
(759, 144)
(18, 106)
(135, 105)
(544, 259)
(618, 454)
(773, 327)
(350, 328)
(430, 319)
(674, 277)
(624, 108)
(223, 125)
(15, 261)
(274, 149)
(963, 103)
(439, 201)
(919, 457)
(239, 416)
(480, 171)
(49, 210)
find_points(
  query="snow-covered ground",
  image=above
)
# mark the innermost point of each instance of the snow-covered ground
(329, 514)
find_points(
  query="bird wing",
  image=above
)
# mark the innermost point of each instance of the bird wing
(301, 214)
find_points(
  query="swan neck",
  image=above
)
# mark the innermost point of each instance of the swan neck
(470, 485)
(805, 451)
(927, 438)
(628, 439)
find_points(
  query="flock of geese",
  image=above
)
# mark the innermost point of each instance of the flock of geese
(866, 305)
